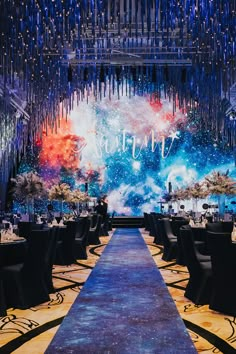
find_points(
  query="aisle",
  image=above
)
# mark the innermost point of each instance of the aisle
(124, 307)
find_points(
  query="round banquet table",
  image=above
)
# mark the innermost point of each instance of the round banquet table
(12, 252)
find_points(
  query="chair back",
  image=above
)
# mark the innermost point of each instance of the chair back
(35, 260)
(68, 242)
(170, 249)
(223, 273)
(110, 221)
(227, 226)
(93, 234)
(214, 226)
(96, 223)
(82, 230)
(168, 229)
(146, 221)
(219, 237)
(199, 286)
(151, 224)
(160, 229)
(80, 226)
(176, 224)
(50, 257)
(189, 250)
(158, 237)
(25, 228)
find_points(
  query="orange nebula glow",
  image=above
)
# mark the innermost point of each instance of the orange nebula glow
(61, 148)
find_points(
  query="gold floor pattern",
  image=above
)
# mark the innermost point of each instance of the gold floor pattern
(30, 331)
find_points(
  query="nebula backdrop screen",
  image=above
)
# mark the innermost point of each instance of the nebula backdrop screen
(129, 149)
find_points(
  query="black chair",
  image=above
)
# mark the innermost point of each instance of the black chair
(220, 226)
(146, 221)
(25, 228)
(3, 311)
(227, 226)
(214, 226)
(157, 238)
(93, 235)
(65, 244)
(110, 221)
(223, 258)
(50, 257)
(151, 224)
(176, 224)
(81, 238)
(199, 285)
(104, 226)
(24, 283)
(169, 240)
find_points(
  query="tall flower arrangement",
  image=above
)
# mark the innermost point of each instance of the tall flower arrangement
(60, 191)
(28, 186)
(220, 183)
(198, 191)
(76, 196)
(179, 194)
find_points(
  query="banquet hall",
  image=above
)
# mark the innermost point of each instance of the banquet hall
(117, 176)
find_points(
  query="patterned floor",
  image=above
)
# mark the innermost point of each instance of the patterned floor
(30, 331)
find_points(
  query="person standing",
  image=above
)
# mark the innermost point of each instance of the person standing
(104, 203)
(106, 216)
(99, 208)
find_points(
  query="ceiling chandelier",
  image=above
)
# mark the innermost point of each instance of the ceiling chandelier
(52, 49)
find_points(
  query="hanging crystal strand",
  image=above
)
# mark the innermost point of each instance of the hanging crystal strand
(118, 16)
(109, 83)
(136, 18)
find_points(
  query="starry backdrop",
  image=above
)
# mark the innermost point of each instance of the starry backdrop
(129, 149)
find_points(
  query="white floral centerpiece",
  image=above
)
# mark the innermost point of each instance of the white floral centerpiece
(197, 191)
(27, 187)
(220, 184)
(178, 195)
(60, 192)
(76, 196)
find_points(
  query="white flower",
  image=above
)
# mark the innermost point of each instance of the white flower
(60, 191)
(28, 185)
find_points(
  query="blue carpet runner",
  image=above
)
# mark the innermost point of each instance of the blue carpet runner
(124, 306)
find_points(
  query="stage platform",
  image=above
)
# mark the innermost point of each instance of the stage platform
(128, 222)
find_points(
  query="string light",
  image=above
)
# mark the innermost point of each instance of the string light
(52, 49)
